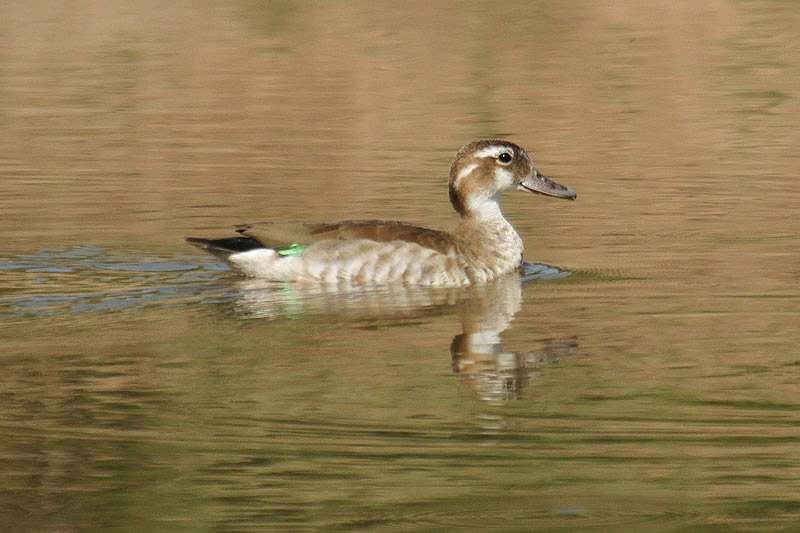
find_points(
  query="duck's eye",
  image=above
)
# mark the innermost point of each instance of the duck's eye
(504, 158)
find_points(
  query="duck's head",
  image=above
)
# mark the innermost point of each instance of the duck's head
(485, 169)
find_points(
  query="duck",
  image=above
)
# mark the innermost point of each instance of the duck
(482, 247)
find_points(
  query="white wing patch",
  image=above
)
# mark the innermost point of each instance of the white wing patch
(256, 263)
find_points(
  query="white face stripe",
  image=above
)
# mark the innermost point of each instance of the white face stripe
(494, 151)
(466, 171)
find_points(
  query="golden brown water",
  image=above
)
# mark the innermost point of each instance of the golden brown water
(649, 381)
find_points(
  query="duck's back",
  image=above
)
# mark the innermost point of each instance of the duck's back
(281, 235)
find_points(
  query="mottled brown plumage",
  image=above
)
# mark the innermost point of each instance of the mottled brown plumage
(281, 235)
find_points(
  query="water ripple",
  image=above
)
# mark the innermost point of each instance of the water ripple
(91, 279)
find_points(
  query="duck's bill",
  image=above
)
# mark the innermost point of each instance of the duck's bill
(542, 185)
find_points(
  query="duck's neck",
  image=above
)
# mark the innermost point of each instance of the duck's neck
(492, 242)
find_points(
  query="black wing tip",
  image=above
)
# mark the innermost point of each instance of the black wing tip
(230, 245)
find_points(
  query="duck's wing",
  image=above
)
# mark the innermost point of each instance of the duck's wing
(280, 235)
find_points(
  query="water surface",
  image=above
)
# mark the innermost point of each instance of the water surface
(640, 374)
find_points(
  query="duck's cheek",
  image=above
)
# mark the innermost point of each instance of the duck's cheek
(503, 179)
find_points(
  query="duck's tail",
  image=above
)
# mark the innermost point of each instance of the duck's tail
(223, 248)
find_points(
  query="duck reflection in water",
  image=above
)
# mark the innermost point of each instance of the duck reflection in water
(488, 371)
